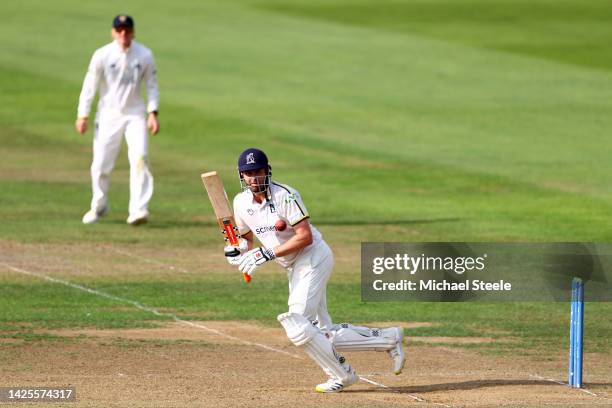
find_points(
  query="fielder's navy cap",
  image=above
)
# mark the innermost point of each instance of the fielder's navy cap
(252, 159)
(123, 20)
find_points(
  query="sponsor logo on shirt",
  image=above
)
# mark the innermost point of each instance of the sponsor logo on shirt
(264, 229)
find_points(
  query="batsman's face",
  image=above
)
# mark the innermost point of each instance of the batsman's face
(123, 36)
(255, 180)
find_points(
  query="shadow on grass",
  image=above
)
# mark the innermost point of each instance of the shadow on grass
(472, 385)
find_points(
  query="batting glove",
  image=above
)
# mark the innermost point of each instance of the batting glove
(234, 254)
(255, 257)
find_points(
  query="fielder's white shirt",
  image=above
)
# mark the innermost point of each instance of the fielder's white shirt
(285, 204)
(119, 75)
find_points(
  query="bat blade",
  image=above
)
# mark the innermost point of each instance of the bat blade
(223, 210)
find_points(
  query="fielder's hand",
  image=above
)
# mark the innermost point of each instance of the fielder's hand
(234, 254)
(81, 125)
(153, 123)
(255, 257)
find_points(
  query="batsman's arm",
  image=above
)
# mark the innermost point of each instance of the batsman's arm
(301, 239)
(249, 238)
(258, 256)
(243, 229)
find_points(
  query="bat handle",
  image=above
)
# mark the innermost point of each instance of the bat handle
(236, 252)
(233, 252)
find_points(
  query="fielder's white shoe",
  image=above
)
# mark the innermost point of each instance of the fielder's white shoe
(337, 385)
(93, 216)
(139, 218)
(397, 353)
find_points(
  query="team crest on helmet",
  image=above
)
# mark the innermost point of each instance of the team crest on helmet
(250, 159)
(122, 18)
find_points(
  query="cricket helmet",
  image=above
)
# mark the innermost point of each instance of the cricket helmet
(254, 159)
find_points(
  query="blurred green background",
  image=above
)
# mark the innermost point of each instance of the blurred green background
(397, 121)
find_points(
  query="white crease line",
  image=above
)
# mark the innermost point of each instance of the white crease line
(147, 309)
(149, 260)
(156, 312)
(248, 343)
(539, 377)
(414, 397)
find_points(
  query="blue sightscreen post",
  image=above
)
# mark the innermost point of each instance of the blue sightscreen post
(576, 334)
(571, 368)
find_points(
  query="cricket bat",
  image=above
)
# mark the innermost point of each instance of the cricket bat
(223, 212)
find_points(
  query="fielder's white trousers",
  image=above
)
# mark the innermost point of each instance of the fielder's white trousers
(308, 284)
(109, 131)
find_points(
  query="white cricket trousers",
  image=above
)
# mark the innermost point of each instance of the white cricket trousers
(308, 278)
(110, 128)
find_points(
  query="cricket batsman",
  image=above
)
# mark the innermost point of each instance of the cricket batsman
(276, 215)
(118, 70)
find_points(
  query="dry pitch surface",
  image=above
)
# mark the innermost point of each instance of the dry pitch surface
(245, 364)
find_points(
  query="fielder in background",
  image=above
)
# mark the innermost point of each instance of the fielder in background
(276, 214)
(118, 69)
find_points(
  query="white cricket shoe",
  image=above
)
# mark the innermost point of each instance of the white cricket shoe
(138, 218)
(397, 353)
(337, 385)
(93, 216)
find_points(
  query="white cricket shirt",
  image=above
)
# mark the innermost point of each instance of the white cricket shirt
(119, 75)
(284, 204)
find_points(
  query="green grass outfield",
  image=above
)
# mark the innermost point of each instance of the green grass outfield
(397, 121)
